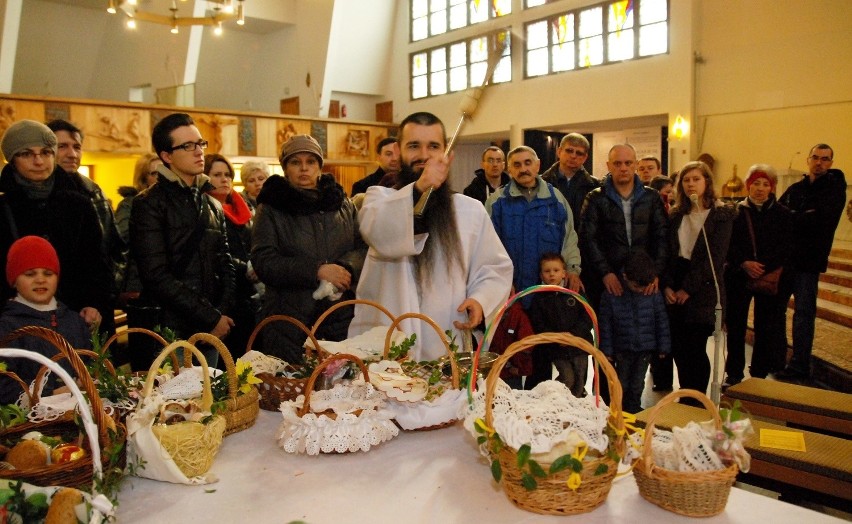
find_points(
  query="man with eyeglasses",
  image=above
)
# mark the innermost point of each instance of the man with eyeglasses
(817, 203)
(568, 174)
(33, 201)
(178, 240)
(490, 177)
(69, 152)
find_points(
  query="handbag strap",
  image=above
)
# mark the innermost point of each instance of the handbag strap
(751, 232)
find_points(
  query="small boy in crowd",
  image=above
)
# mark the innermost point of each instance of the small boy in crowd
(555, 312)
(634, 328)
(32, 268)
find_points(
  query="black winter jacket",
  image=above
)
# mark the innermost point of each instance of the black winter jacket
(575, 191)
(603, 233)
(193, 282)
(295, 232)
(772, 224)
(816, 208)
(480, 189)
(373, 179)
(69, 222)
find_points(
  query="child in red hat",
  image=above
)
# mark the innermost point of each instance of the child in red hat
(32, 268)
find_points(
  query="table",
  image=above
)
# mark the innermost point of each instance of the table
(429, 477)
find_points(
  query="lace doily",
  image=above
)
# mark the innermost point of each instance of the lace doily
(686, 449)
(545, 417)
(187, 384)
(261, 363)
(361, 421)
(416, 415)
(368, 346)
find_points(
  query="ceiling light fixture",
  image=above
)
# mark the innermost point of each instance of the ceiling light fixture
(222, 11)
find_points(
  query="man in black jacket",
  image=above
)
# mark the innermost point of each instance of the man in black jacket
(816, 202)
(490, 177)
(568, 175)
(178, 239)
(387, 155)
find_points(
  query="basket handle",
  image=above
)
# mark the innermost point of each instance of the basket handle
(296, 322)
(206, 393)
(345, 303)
(309, 387)
(153, 334)
(230, 368)
(441, 335)
(59, 356)
(615, 391)
(647, 456)
(14, 376)
(64, 348)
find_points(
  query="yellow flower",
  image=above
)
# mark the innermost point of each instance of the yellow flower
(245, 376)
(574, 481)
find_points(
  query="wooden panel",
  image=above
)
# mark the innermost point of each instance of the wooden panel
(345, 175)
(334, 109)
(13, 110)
(290, 106)
(113, 129)
(267, 141)
(384, 111)
(287, 128)
(353, 142)
(220, 131)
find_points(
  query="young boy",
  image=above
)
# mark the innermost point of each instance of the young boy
(634, 328)
(559, 312)
(32, 268)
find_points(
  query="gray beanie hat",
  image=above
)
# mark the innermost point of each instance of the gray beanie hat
(300, 144)
(25, 134)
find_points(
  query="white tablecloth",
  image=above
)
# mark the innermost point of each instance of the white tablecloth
(429, 477)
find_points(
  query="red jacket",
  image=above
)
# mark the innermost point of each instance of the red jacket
(514, 325)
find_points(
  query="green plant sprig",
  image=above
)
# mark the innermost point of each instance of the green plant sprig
(398, 351)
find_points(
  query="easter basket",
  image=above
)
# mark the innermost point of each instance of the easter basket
(420, 395)
(88, 504)
(241, 408)
(690, 493)
(104, 452)
(367, 346)
(182, 452)
(553, 482)
(346, 418)
(285, 381)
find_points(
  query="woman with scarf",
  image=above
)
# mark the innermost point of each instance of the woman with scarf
(238, 223)
(306, 248)
(760, 244)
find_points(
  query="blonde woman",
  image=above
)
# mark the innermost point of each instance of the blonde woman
(253, 174)
(144, 176)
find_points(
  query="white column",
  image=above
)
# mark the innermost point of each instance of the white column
(9, 45)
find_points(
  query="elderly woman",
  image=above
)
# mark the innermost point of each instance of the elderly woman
(760, 244)
(238, 225)
(253, 174)
(698, 220)
(305, 235)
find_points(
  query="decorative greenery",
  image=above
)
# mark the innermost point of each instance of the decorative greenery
(15, 501)
(11, 415)
(113, 387)
(399, 351)
(166, 332)
(731, 415)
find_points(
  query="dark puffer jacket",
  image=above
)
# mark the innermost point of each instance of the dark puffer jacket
(69, 222)
(816, 208)
(194, 290)
(634, 322)
(295, 232)
(575, 191)
(603, 232)
(772, 224)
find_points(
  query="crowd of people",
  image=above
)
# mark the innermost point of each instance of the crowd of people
(657, 257)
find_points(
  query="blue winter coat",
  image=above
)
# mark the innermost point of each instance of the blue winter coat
(634, 322)
(529, 229)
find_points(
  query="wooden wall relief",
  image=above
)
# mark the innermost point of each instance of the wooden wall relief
(57, 111)
(220, 131)
(247, 137)
(287, 128)
(113, 130)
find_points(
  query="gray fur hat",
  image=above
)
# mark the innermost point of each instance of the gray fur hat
(25, 134)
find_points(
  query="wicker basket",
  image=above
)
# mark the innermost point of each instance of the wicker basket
(694, 494)
(153, 334)
(240, 409)
(191, 445)
(451, 383)
(274, 389)
(77, 473)
(552, 496)
(345, 303)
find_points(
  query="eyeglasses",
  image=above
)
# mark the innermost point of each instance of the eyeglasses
(494, 160)
(29, 155)
(189, 147)
(572, 151)
(816, 158)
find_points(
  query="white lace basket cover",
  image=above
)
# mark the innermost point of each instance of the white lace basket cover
(360, 420)
(368, 346)
(547, 417)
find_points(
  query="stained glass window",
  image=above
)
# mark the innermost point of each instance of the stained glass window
(436, 17)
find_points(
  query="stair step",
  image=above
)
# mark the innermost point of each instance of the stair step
(837, 313)
(834, 293)
(837, 277)
(842, 252)
(840, 263)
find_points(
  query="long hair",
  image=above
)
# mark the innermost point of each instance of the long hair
(443, 237)
(683, 203)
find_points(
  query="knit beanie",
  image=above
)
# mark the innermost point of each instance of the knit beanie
(27, 253)
(25, 134)
(760, 174)
(300, 144)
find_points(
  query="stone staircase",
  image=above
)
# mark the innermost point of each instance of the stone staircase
(832, 353)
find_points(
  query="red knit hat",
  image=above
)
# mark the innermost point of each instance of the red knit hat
(29, 253)
(757, 173)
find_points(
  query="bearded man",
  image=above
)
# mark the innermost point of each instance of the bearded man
(447, 263)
